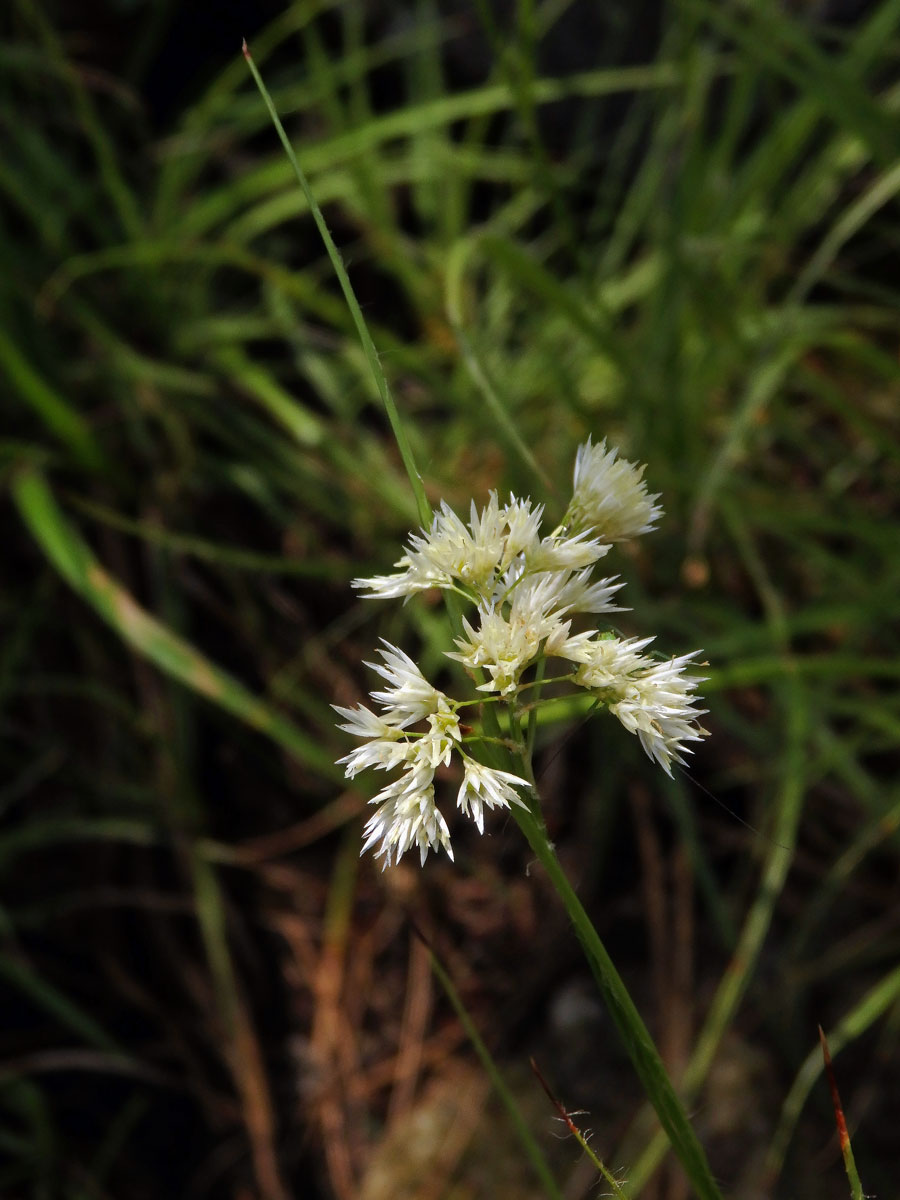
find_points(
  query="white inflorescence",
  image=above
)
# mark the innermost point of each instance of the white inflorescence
(525, 589)
(610, 496)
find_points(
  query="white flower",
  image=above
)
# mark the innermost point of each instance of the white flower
(407, 816)
(526, 589)
(487, 786)
(410, 697)
(442, 736)
(604, 662)
(651, 699)
(575, 592)
(610, 498)
(561, 553)
(504, 645)
(362, 722)
(451, 553)
(386, 746)
(656, 705)
(448, 552)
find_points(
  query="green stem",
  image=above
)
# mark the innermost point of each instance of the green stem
(632, 1030)
(532, 1149)
(397, 427)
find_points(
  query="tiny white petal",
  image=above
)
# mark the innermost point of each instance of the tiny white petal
(578, 594)
(504, 645)
(362, 722)
(604, 662)
(523, 529)
(378, 753)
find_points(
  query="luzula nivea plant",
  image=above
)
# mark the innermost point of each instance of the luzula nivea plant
(525, 589)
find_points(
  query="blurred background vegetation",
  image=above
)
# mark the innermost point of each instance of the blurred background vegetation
(671, 224)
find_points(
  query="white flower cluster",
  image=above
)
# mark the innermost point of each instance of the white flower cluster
(407, 814)
(526, 588)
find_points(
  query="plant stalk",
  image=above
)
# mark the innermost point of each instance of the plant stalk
(632, 1030)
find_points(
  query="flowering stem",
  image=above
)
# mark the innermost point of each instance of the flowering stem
(632, 1030)
(539, 678)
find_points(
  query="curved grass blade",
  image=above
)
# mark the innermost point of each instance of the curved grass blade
(56, 413)
(530, 1146)
(856, 1191)
(852, 1025)
(19, 975)
(399, 431)
(219, 553)
(633, 1033)
(171, 653)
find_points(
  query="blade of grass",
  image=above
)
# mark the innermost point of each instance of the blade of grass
(852, 1025)
(25, 979)
(532, 1150)
(397, 426)
(632, 1031)
(795, 708)
(413, 121)
(305, 427)
(186, 159)
(171, 653)
(882, 190)
(61, 419)
(856, 1192)
(215, 552)
(48, 831)
(244, 1056)
(120, 1130)
(506, 426)
(123, 199)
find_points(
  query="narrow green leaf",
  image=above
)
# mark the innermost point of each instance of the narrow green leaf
(397, 426)
(532, 1149)
(632, 1031)
(21, 976)
(63, 421)
(171, 653)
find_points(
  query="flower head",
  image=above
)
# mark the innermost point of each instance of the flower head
(651, 698)
(604, 663)
(453, 554)
(386, 745)
(407, 816)
(487, 786)
(610, 498)
(410, 697)
(526, 590)
(508, 639)
(656, 704)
